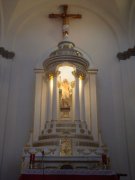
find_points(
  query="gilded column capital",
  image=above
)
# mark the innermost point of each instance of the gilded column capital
(81, 74)
(52, 73)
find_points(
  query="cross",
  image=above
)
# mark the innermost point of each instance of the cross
(65, 18)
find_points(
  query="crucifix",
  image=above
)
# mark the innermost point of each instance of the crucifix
(65, 18)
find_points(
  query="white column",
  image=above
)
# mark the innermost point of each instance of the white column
(76, 100)
(37, 107)
(54, 99)
(87, 102)
(93, 106)
(82, 103)
(49, 100)
(43, 104)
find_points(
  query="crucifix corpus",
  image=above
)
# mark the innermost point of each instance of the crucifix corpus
(65, 18)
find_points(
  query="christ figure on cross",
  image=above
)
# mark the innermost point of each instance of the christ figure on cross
(65, 17)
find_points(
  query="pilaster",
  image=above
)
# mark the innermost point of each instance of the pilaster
(93, 105)
(37, 107)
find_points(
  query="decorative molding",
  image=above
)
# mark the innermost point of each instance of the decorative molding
(39, 70)
(6, 54)
(92, 71)
(126, 54)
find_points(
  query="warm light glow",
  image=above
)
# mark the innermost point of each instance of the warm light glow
(66, 81)
(66, 73)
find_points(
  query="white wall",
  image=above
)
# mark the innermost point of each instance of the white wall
(106, 28)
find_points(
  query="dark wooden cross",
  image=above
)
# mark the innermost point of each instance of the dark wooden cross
(65, 17)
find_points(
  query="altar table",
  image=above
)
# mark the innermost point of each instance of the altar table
(70, 174)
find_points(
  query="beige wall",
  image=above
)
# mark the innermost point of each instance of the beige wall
(106, 28)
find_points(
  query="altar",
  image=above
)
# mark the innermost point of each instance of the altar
(68, 174)
(65, 124)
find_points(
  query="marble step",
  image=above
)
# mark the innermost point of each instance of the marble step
(56, 142)
(66, 125)
(85, 137)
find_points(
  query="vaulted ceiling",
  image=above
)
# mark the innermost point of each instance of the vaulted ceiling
(118, 14)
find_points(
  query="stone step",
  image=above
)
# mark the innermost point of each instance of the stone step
(85, 137)
(45, 143)
(56, 142)
(69, 125)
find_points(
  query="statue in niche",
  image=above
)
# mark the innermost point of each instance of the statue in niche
(65, 97)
